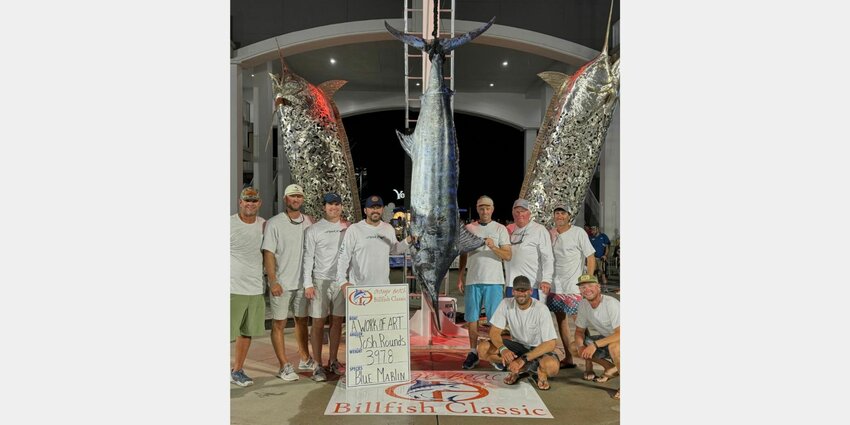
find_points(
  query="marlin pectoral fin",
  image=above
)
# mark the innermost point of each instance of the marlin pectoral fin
(466, 241)
(453, 43)
(331, 86)
(409, 39)
(406, 143)
(554, 78)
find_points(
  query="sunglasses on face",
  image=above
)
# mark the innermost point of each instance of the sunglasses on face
(522, 290)
(252, 201)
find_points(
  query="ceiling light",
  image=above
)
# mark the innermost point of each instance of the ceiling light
(505, 63)
(252, 75)
(417, 84)
(491, 84)
(333, 61)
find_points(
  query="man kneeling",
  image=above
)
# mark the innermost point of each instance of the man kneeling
(533, 337)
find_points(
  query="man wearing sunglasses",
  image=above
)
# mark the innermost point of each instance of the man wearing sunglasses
(531, 349)
(283, 244)
(247, 305)
(531, 252)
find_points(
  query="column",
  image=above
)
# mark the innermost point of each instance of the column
(236, 140)
(610, 179)
(262, 107)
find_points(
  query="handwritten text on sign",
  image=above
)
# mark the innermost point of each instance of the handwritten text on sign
(378, 340)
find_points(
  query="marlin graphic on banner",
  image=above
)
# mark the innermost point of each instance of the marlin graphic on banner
(570, 139)
(433, 189)
(314, 139)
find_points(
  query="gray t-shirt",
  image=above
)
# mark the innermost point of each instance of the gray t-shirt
(364, 256)
(321, 250)
(246, 258)
(286, 241)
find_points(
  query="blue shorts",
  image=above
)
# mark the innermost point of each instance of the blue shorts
(509, 292)
(477, 293)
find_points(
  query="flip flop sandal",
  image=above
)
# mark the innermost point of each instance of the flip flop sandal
(542, 380)
(511, 379)
(606, 377)
(589, 376)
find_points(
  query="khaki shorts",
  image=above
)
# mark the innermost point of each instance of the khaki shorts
(325, 302)
(289, 302)
(247, 315)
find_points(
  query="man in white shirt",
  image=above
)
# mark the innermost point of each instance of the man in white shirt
(531, 252)
(321, 249)
(247, 305)
(572, 252)
(601, 314)
(485, 278)
(364, 256)
(533, 338)
(283, 244)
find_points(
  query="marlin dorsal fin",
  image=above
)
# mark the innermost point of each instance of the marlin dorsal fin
(406, 143)
(331, 86)
(554, 78)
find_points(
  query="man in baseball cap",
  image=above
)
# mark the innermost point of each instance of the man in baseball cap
(602, 313)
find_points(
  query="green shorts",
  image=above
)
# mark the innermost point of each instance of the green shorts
(247, 315)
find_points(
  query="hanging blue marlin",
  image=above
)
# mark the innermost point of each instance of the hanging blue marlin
(570, 139)
(433, 189)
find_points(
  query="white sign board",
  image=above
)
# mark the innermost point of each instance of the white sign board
(377, 335)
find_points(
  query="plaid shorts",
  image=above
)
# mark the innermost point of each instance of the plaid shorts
(563, 303)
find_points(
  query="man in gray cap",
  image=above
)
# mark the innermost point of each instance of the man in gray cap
(531, 252)
(531, 348)
(573, 252)
(247, 305)
(283, 244)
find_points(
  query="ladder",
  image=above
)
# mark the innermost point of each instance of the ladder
(419, 17)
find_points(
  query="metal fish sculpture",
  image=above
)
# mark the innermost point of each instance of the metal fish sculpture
(313, 137)
(433, 190)
(570, 139)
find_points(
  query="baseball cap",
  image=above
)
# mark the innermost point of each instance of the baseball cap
(587, 278)
(293, 189)
(521, 203)
(564, 207)
(521, 282)
(249, 194)
(485, 200)
(331, 197)
(374, 200)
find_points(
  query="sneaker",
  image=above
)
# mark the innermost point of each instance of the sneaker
(499, 366)
(319, 374)
(239, 377)
(287, 373)
(471, 360)
(336, 368)
(307, 365)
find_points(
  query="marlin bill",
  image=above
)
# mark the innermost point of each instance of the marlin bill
(312, 136)
(434, 181)
(570, 139)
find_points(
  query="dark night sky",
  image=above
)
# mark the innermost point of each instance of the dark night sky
(491, 158)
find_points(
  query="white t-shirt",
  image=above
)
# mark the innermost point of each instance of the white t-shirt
(364, 256)
(571, 250)
(321, 249)
(246, 258)
(483, 265)
(286, 241)
(532, 326)
(532, 257)
(603, 319)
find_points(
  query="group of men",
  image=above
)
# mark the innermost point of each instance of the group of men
(309, 265)
(560, 264)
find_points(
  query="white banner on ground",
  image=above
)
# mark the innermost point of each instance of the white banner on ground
(377, 335)
(457, 393)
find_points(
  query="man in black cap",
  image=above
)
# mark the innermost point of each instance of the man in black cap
(366, 248)
(531, 348)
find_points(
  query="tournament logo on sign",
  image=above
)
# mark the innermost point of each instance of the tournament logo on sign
(437, 390)
(360, 297)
